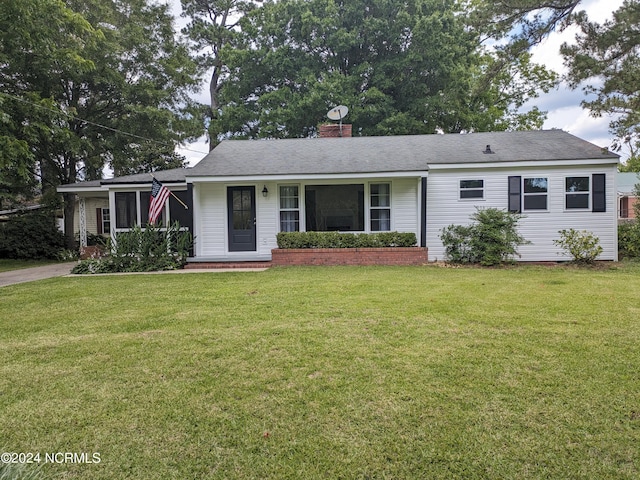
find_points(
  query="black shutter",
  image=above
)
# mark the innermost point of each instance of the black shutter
(599, 203)
(515, 194)
(99, 221)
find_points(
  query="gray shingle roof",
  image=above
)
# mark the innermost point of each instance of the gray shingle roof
(407, 153)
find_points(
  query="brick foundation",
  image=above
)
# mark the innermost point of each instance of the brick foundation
(350, 256)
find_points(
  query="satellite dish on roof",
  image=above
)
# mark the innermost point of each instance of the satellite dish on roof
(338, 113)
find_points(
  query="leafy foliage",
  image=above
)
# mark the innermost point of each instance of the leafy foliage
(583, 246)
(143, 250)
(31, 235)
(345, 240)
(492, 238)
(606, 60)
(401, 67)
(89, 83)
(629, 239)
(212, 26)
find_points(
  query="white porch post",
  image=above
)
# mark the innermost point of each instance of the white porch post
(83, 222)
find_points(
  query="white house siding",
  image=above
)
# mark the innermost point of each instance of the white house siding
(267, 218)
(404, 205)
(210, 219)
(539, 227)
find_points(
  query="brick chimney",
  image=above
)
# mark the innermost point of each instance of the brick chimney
(333, 130)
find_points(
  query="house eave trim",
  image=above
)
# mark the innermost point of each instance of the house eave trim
(304, 177)
(521, 164)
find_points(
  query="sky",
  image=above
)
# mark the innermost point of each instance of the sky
(561, 104)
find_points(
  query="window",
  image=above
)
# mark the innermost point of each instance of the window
(334, 208)
(132, 208)
(577, 192)
(380, 197)
(289, 208)
(103, 221)
(126, 209)
(471, 189)
(535, 193)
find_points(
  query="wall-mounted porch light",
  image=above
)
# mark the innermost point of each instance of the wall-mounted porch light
(265, 191)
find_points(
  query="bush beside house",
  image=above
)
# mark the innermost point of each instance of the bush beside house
(31, 235)
(491, 239)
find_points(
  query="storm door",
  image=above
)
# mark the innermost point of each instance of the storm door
(241, 204)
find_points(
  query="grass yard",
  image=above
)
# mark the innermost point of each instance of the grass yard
(331, 373)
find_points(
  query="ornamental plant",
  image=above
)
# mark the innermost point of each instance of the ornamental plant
(582, 245)
(143, 250)
(492, 238)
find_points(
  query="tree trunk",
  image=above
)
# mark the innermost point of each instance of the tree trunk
(69, 214)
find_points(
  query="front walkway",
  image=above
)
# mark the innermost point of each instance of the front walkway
(36, 273)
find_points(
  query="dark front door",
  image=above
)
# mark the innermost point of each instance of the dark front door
(241, 202)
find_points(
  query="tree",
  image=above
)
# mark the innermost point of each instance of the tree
(212, 26)
(39, 40)
(117, 95)
(403, 67)
(607, 58)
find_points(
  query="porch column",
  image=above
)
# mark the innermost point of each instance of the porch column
(82, 222)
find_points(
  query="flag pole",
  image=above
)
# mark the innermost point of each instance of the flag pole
(172, 194)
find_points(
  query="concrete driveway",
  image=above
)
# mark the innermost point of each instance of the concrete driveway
(36, 273)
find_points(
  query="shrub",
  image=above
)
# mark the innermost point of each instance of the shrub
(492, 238)
(629, 239)
(287, 240)
(582, 245)
(142, 250)
(31, 235)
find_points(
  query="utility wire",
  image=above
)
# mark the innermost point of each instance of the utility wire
(115, 130)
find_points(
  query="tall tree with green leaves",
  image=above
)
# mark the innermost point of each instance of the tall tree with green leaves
(212, 25)
(402, 67)
(125, 104)
(605, 61)
(40, 40)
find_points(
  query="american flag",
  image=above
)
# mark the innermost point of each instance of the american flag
(159, 194)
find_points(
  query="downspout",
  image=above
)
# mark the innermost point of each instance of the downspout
(423, 210)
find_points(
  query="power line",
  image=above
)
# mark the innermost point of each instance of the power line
(115, 130)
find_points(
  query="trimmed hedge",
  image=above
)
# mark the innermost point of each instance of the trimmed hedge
(288, 240)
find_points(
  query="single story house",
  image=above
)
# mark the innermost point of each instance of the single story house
(243, 193)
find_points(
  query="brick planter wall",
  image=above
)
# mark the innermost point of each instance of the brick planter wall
(93, 251)
(350, 256)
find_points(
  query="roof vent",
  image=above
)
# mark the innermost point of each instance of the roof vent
(488, 149)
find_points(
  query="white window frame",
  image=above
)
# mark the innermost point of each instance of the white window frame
(470, 189)
(284, 209)
(526, 195)
(379, 207)
(586, 193)
(105, 213)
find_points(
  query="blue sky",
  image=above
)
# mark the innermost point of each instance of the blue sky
(562, 104)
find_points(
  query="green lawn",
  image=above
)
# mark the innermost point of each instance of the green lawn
(328, 373)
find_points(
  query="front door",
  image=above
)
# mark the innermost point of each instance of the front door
(241, 204)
